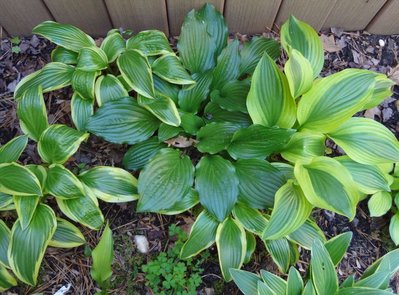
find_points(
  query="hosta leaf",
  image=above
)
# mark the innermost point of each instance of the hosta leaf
(232, 245)
(294, 282)
(232, 96)
(190, 99)
(136, 71)
(4, 242)
(264, 289)
(92, 59)
(139, 154)
(103, 255)
(258, 141)
(304, 145)
(18, 180)
(59, 142)
(289, 202)
(299, 73)
(215, 137)
(52, 76)
(277, 284)
(298, 35)
(379, 204)
(324, 277)
(227, 67)
(161, 107)
(150, 42)
(217, 185)
(110, 184)
(246, 281)
(64, 35)
(253, 51)
(123, 121)
(12, 150)
(6, 202)
(389, 262)
(83, 83)
(81, 111)
(214, 113)
(328, 184)
(113, 45)
(309, 289)
(189, 200)
(202, 235)
(394, 228)
(63, 55)
(251, 246)
(165, 88)
(382, 90)
(370, 179)
(165, 180)
(109, 88)
(166, 131)
(258, 182)
(269, 100)
(338, 246)
(306, 234)
(32, 114)
(251, 219)
(334, 99)
(83, 210)
(280, 252)
(6, 279)
(362, 291)
(27, 246)
(26, 207)
(169, 68)
(39, 171)
(66, 235)
(366, 141)
(62, 183)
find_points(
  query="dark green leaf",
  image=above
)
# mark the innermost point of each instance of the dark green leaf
(191, 99)
(214, 113)
(150, 42)
(81, 111)
(139, 154)
(63, 55)
(227, 67)
(215, 137)
(92, 59)
(109, 88)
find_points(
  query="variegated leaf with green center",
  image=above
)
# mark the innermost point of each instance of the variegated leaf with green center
(81, 111)
(189, 201)
(5, 234)
(337, 246)
(290, 202)
(63, 55)
(294, 282)
(304, 145)
(269, 100)
(110, 184)
(32, 113)
(366, 141)
(150, 42)
(109, 88)
(251, 219)
(217, 184)
(7, 280)
(59, 142)
(382, 90)
(202, 235)
(298, 35)
(227, 65)
(18, 180)
(280, 252)
(169, 68)
(113, 45)
(40, 172)
(63, 184)
(251, 246)
(92, 59)
(26, 207)
(6, 202)
(334, 99)
(328, 184)
(161, 107)
(52, 76)
(165, 180)
(12, 150)
(232, 245)
(83, 83)
(136, 71)
(64, 35)
(27, 246)
(306, 234)
(246, 281)
(277, 284)
(66, 235)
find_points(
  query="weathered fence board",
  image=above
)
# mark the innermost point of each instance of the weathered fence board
(386, 21)
(251, 16)
(89, 15)
(138, 15)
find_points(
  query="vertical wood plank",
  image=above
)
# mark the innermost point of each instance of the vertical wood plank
(89, 15)
(177, 10)
(386, 21)
(354, 14)
(251, 16)
(314, 12)
(19, 17)
(138, 15)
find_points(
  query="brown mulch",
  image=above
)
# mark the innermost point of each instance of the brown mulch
(71, 266)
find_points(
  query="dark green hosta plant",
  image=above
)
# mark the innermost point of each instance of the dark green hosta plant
(321, 278)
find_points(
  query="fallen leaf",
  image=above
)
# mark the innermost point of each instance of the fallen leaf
(394, 74)
(329, 43)
(181, 142)
(371, 113)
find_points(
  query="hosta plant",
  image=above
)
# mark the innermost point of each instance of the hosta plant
(221, 125)
(321, 278)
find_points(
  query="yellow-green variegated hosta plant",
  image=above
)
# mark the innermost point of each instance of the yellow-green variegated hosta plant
(29, 190)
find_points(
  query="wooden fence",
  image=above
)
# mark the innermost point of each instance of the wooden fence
(96, 17)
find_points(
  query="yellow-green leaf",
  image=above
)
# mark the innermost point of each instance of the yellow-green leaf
(251, 219)
(379, 204)
(304, 145)
(6, 279)
(103, 255)
(394, 228)
(299, 73)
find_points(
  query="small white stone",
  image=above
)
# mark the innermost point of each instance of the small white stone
(381, 42)
(142, 244)
(63, 290)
